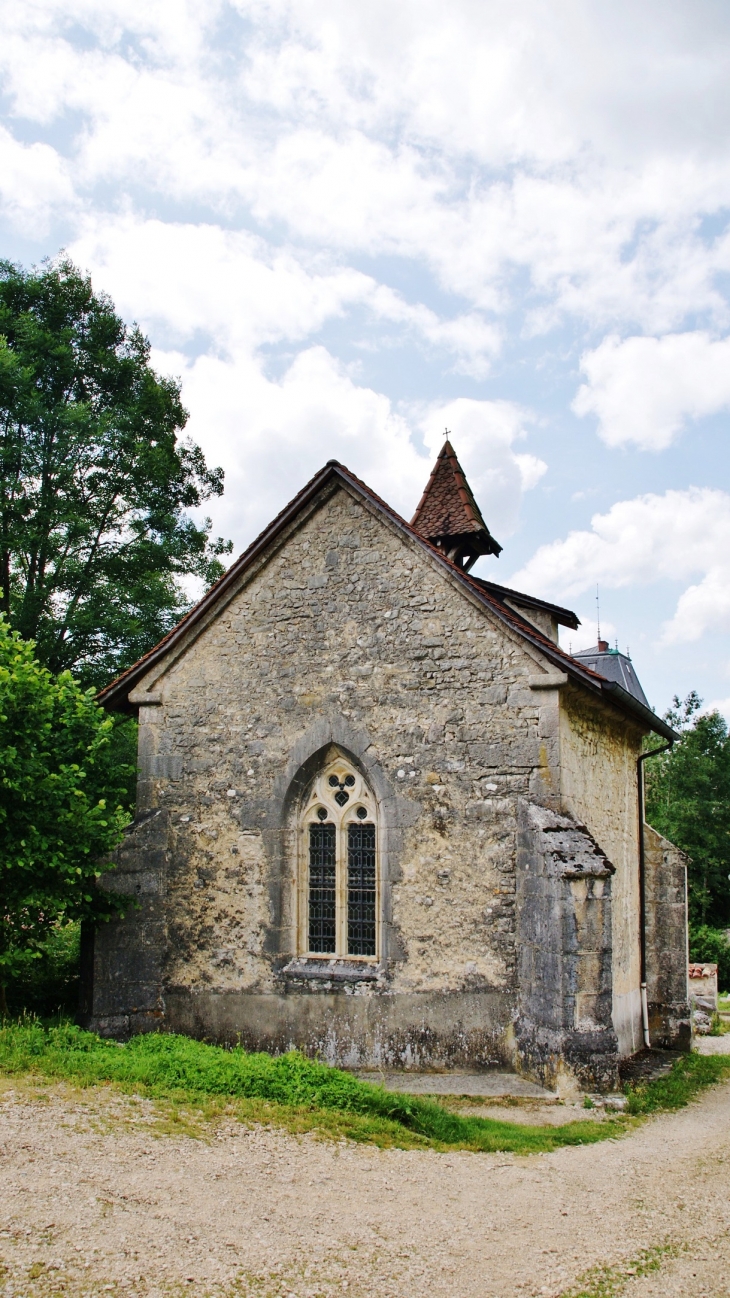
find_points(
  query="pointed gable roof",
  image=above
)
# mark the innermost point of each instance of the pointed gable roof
(116, 695)
(448, 515)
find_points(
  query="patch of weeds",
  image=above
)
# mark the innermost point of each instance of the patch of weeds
(287, 1091)
(689, 1075)
(609, 1281)
(249, 1284)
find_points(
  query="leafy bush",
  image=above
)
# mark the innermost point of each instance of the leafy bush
(63, 804)
(710, 946)
(49, 985)
(688, 800)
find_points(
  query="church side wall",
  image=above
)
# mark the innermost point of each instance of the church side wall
(598, 751)
(347, 635)
(666, 943)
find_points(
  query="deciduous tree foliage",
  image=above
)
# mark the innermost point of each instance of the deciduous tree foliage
(688, 800)
(94, 483)
(63, 793)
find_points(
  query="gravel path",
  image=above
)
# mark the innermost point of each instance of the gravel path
(96, 1198)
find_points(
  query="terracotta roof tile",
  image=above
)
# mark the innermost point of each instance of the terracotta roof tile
(447, 506)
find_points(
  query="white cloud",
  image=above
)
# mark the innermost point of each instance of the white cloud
(706, 605)
(719, 705)
(644, 390)
(531, 470)
(272, 436)
(528, 82)
(577, 146)
(233, 286)
(34, 184)
(673, 537)
(230, 285)
(272, 433)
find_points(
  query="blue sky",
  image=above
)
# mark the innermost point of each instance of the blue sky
(346, 227)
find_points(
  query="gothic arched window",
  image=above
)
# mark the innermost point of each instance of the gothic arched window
(339, 866)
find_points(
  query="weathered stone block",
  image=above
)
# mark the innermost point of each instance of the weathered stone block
(564, 950)
(666, 942)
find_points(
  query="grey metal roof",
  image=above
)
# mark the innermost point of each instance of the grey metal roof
(614, 666)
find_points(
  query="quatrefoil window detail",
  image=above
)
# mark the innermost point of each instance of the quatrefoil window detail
(342, 796)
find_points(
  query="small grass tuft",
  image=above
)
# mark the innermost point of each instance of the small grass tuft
(688, 1076)
(610, 1281)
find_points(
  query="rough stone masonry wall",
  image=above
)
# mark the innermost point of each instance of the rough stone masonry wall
(598, 752)
(346, 634)
(666, 942)
(565, 1031)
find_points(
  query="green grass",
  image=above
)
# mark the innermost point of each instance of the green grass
(689, 1075)
(287, 1090)
(609, 1281)
(303, 1095)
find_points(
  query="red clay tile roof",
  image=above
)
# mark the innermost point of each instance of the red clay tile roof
(447, 506)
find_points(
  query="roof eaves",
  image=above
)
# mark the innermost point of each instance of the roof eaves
(618, 694)
(565, 616)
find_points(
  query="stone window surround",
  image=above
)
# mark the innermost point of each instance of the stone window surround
(322, 795)
(330, 736)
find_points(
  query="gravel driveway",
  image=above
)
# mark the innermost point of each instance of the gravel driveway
(95, 1198)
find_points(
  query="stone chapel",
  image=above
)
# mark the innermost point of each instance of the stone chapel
(383, 817)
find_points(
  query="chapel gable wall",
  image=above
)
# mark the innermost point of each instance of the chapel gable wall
(348, 635)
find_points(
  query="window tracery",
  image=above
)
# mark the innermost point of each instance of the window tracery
(338, 866)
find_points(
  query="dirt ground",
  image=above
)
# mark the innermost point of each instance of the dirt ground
(96, 1197)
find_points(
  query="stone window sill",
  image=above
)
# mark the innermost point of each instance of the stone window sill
(335, 970)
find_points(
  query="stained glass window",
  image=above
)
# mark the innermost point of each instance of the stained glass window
(322, 888)
(361, 889)
(338, 900)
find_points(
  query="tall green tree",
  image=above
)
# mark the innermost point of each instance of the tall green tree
(63, 804)
(688, 800)
(94, 481)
